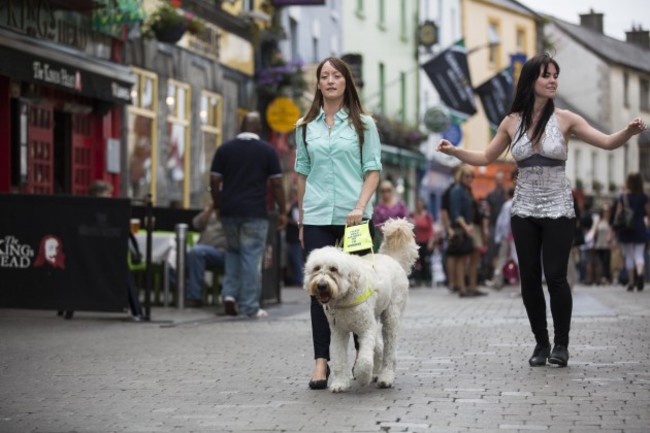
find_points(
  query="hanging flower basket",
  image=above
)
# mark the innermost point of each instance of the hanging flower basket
(168, 23)
(169, 34)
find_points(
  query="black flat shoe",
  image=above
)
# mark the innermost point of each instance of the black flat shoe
(559, 355)
(540, 354)
(320, 384)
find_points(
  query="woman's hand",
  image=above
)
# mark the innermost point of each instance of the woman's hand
(445, 146)
(354, 217)
(637, 126)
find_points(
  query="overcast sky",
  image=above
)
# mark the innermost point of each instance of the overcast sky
(619, 15)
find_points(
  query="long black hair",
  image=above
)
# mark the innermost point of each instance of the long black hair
(524, 99)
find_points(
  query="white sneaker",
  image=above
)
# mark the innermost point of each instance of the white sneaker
(261, 314)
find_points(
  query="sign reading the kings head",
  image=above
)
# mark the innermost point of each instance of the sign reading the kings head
(60, 76)
(40, 19)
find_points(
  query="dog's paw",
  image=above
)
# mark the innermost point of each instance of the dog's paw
(386, 379)
(363, 371)
(340, 385)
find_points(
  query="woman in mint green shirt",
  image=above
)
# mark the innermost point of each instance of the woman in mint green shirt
(338, 163)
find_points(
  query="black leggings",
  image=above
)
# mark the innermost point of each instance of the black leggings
(547, 242)
(317, 237)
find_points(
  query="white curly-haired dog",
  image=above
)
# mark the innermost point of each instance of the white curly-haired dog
(364, 295)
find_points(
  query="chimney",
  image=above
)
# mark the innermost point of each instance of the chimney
(638, 36)
(593, 21)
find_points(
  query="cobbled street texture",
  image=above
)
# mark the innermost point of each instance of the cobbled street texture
(462, 367)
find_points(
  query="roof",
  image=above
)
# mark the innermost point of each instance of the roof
(608, 48)
(517, 7)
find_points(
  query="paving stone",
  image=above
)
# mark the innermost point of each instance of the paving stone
(462, 367)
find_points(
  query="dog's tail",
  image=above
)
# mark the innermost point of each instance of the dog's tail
(399, 243)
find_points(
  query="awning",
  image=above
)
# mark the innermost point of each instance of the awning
(402, 157)
(44, 62)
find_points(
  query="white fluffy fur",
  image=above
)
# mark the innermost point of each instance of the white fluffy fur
(337, 279)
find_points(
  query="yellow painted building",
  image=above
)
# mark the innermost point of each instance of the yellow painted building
(493, 30)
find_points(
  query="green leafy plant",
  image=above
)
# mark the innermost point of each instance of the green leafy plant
(169, 17)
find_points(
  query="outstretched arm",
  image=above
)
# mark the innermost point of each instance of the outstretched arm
(496, 147)
(587, 133)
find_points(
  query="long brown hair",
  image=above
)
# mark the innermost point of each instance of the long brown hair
(351, 101)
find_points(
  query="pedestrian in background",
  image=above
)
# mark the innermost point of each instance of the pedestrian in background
(100, 188)
(295, 261)
(448, 260)
(338, 163)
(208, 253)
(495, 200)
(603, 241)
(240, 173)
(389, 206)
(463, 210)
(424, 237)
(543, 217)
(633, 241)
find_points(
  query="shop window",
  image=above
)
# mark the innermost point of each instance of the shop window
(212, 136)
(141, 138)
(176, 144)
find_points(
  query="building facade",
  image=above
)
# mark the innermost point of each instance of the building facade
(63, 89)
(382, 34)
(607, 81)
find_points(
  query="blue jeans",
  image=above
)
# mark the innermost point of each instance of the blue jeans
(246, 238)
(296, 262)
(198, 259)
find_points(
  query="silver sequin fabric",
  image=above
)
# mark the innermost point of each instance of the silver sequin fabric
(543, 192)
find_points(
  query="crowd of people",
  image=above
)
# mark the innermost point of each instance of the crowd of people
(532, 228)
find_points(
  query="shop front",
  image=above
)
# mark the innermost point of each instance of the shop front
(60, 107)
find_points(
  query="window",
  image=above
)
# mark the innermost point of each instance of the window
(644, 94)
(176, 144)
(359, 11)
(403, 23)
(314, 48)
(293, 38)
(402, 108)
(521, 39)
(644, 160)
(382, 14)
(494, 55)
(211, 137)
(382, 88)
(142, 142)
(626, 90)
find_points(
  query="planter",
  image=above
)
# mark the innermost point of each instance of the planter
(169, 34)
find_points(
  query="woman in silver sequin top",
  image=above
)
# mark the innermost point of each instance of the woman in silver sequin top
(543, 217)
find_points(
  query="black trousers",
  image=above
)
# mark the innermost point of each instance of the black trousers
(545, 242)
(317, 237)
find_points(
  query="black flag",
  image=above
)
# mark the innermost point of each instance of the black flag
(496, 96)
(449, 73)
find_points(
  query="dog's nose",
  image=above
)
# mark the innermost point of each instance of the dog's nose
(321, 287)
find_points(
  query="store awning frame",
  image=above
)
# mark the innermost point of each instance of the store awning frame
(403, 157)
(44, 62)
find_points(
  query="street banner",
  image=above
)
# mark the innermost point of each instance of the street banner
(496, 96)
(64, 253)
(516, 63)
(449, 73)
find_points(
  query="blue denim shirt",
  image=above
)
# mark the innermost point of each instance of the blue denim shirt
(334, 166)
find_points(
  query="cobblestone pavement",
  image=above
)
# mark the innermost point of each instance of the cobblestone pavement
(462, 367)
